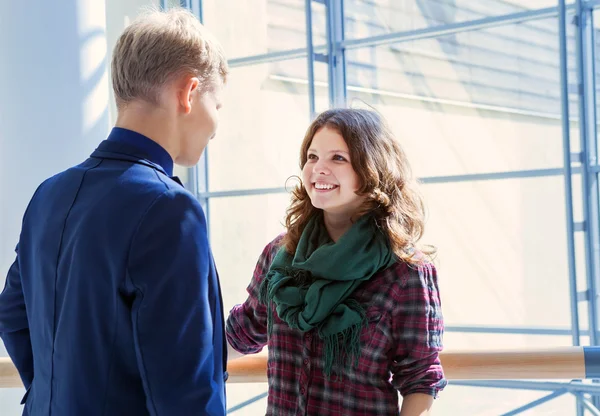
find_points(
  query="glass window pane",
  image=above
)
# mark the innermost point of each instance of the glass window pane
(252, 27)
(263, 120)
(494, 67)
(365, 18)
(458, 400)
(247, 399)
(502, 254)
(596, 49)
(470, 102)
(240, 228)
(501, 259)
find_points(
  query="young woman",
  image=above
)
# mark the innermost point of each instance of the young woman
(347, 305)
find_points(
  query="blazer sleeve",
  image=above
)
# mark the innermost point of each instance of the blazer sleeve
(169, 272)
(14, 326)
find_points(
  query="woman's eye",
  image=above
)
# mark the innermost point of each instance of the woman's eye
(312, 157)
(339, 158)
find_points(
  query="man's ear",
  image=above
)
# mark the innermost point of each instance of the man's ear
(186, 94)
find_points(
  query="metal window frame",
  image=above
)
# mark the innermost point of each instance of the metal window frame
(197, 176)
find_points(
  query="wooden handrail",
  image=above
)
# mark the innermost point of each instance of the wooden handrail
(549, 363)
(9, 377)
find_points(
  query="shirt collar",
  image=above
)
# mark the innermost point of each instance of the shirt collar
(152, 150)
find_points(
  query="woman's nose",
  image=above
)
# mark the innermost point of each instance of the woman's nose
(321, 168)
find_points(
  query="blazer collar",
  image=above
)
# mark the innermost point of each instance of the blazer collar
(115, 150)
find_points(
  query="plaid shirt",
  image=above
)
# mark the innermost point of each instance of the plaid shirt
(399, 347)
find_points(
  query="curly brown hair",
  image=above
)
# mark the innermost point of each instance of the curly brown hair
(385, 177)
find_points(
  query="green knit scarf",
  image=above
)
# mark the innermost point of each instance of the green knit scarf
(311, 288)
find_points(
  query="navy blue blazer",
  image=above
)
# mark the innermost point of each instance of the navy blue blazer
(113, 306)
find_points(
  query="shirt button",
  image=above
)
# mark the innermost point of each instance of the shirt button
(308, 336)
(306, 361)
(302, 391)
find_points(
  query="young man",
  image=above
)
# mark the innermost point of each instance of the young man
(113, 305)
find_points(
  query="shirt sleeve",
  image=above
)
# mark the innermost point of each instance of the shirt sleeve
(14, 326)
(246, 326)
(418, 328)
(170, 273)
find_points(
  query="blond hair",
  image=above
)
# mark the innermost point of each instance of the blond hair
(159, 46)
(386, 180)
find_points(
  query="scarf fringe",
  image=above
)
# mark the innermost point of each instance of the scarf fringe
(343, 348)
